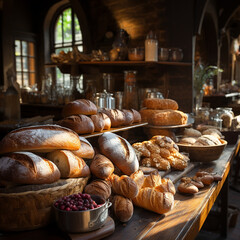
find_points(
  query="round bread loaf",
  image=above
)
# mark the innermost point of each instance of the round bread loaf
(27, 168)
(81, 124)
(79, 106)
(44, 138)
(161, 104)
(207, 140)
(116, 116)
(86, 150)
(136, 116)
(119, 151)
(191, 132)
(129, 118)
(98, 122)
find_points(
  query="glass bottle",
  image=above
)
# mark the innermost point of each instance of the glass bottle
(74, 86)
(130, 97)
(12, 100)
(90, 90)
(120, 44)
(151, 47)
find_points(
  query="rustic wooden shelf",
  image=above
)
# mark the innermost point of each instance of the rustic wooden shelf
(119, 129)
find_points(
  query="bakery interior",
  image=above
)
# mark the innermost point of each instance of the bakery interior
(135, 107)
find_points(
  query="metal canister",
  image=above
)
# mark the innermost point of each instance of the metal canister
(100, 100)
(110, 101)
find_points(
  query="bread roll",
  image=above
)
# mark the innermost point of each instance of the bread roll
(161, 104)
(44, 138)
(124, 186)
(128, 117)
(27, 168)
(69, 164)
(122, 208)
(188, 140)
(98, 122)
(79, 123)
(153, 200)
(79, 106)
(116, 116)
(166, 186)
(99, 188)
(168, 117)
(152, 180)
(207, 140)
(138, 178)
(187, 187)
(136, 116)
(119, 151)
(101, 166)
(107, 121)
(191, 132)
(86, 150)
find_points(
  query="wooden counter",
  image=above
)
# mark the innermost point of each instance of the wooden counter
(184, 221)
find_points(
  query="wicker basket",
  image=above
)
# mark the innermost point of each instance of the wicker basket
(33, 209)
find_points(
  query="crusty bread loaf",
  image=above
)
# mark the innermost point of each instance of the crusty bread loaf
(122, 208)
(119, 151)
(98, 122)
(81, 124)
(44, 138)
(116, 116)
(124, 186)
(153, 200)
(187, 140)
(136, 116)
(168, 117)
(107, 121)
(152, 180)
(191, 132)
(79, 106)
(207, 140)
(128, 117)
(99, 188)
(27, 168)
(161, 104)
(166, 186)
(86, 150)
(69, 164)
(101, 166)
(138, 177)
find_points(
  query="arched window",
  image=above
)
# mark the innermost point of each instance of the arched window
(67, 33)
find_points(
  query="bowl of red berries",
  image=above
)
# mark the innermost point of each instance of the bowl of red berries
(81, 212)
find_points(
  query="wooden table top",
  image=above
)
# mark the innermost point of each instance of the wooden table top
(184, 221)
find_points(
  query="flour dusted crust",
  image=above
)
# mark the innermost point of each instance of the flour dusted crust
(27, 168)
(43, 138)
(161, 104)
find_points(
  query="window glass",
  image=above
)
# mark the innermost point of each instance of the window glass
(58, 31)
(17, 48)
(31, 49)
(67, 25)
(24, 48)
(18, 64)
(25, 64)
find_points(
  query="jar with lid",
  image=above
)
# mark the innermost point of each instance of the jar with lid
(151, 47)
(226, 114)
(130, 96)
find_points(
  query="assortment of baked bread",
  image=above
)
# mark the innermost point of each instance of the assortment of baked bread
(83, 117)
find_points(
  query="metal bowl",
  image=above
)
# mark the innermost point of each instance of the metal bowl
(83, 221)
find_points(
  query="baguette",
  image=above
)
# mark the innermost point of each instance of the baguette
(153, 200)
(124, 186)
(129, 118)
(27, 168)
(119, 151)
(116, 116)
(69, 164)
(101, 166)
(44, 138)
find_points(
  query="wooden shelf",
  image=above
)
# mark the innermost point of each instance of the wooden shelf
(113, 130)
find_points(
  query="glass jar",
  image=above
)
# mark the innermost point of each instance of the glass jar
(176, 54)
(151, 47)
(120, 44)
(226, 114)
(90, 90)
(75, 93)
(130, 96)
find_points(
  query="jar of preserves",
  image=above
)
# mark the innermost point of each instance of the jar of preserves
(226, 114)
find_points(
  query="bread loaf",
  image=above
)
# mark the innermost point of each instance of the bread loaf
(44, 138)
(80, 106)
(98, 122)
(124, 186)
(107, 121)
(119, 151)
(27, 168)
(138, 178)
(168, 117)
(152, 180)
(161, 104)
(81, 124)
(116, 116)
(101, 166)
(166, 186)
(122, 208)
(153, 200)
(86, 150)
(99, 188)
(128, 117)
(136, 116)
(69, 164)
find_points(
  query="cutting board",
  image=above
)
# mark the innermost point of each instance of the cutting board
(105, 231)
